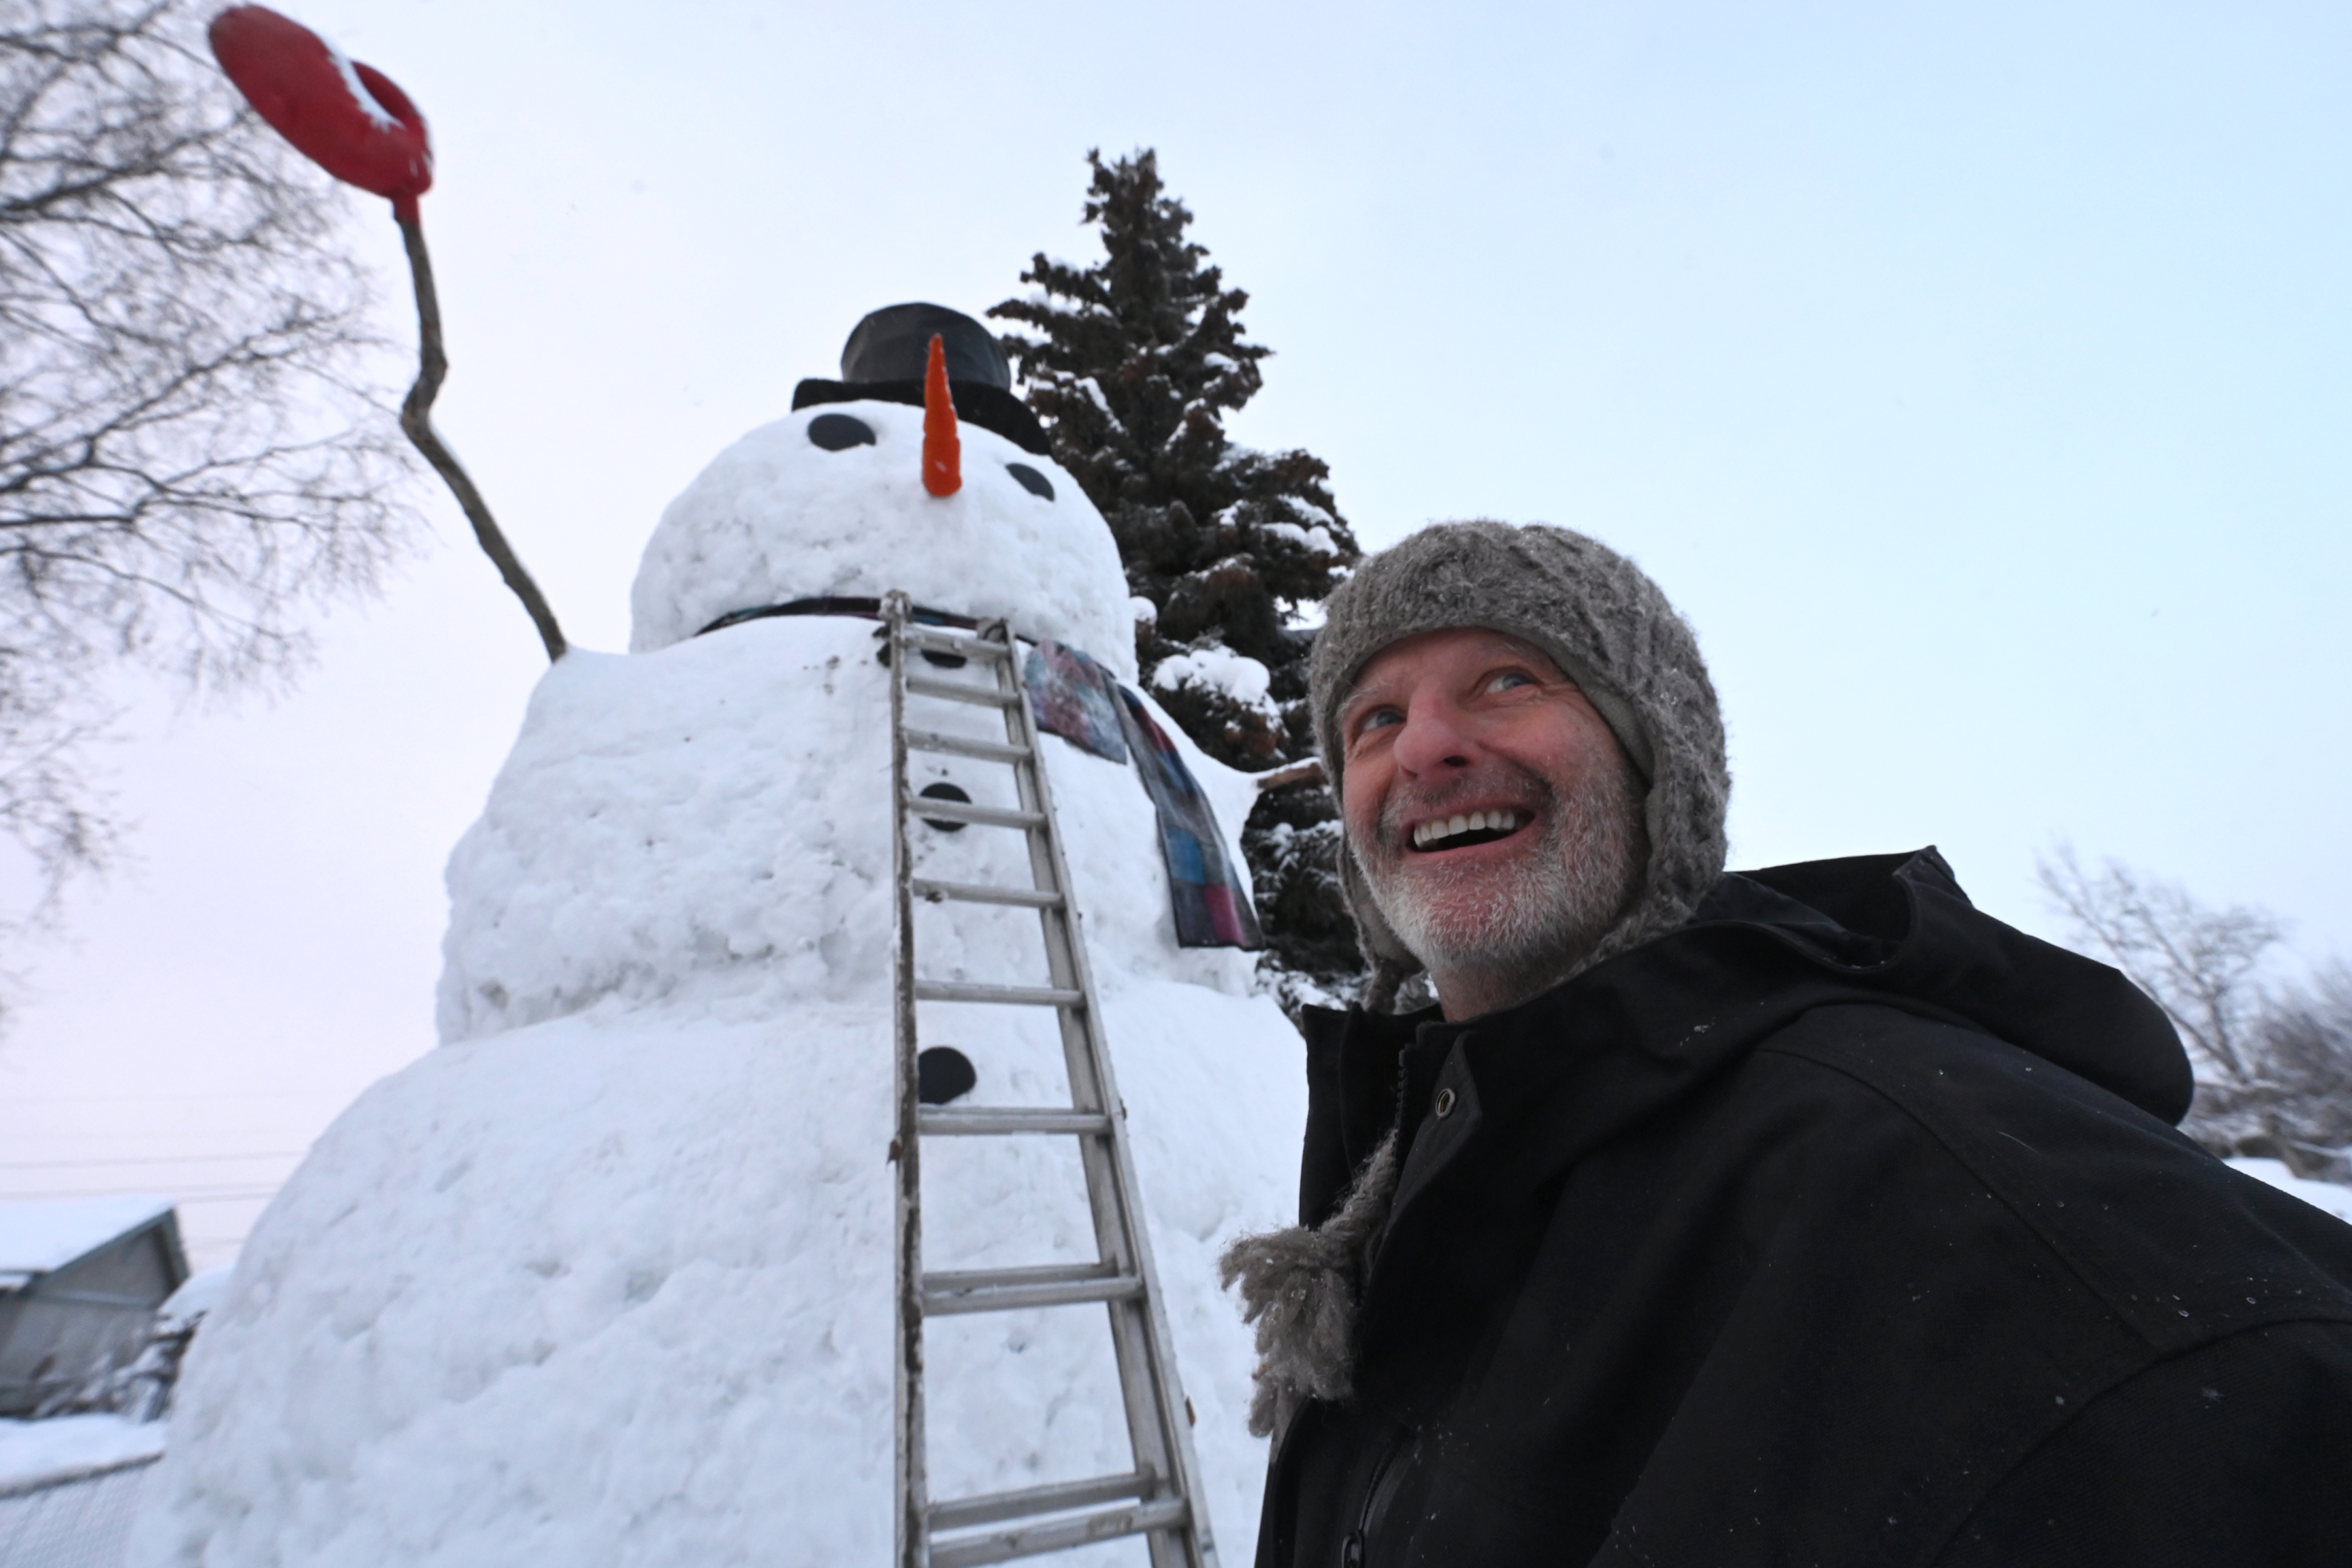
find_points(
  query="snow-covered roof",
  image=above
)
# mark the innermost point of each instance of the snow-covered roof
(40, 1234)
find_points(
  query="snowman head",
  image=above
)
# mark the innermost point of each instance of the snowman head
(830, 502)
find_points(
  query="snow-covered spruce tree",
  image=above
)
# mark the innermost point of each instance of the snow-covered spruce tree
(1135, 363)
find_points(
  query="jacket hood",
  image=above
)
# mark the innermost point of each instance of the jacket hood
(1631, 1034)
(1899, 925)
(1524, 1093)
(1844, 1195)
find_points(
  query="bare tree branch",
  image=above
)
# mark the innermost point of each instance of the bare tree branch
(2274, 1060)
(2198, 963)
(195, 448)
(2306, 1105)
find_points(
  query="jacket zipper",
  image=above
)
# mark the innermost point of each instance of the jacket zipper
(1351, 1550)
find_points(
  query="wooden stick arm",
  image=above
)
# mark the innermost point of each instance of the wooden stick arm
(417, 420)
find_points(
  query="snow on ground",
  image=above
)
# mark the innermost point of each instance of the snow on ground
(606, 1278)
(43, 1453)
(2333, 1196)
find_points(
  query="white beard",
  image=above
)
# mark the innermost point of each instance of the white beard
(1528, 923)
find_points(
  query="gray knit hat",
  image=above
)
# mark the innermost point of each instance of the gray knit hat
(1609, 629)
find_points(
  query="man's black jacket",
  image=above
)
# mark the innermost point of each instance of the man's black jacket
(1843, 1226)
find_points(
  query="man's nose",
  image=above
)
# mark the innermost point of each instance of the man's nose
(1436, 738)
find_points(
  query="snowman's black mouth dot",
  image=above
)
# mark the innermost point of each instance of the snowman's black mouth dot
(1036, 483)
(943, 1073)
(839, 432)
(944, 792)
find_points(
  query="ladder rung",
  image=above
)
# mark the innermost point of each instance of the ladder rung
(979, 893)
(927, 806)
(981, 1121)
(1009, 995)
(949, 642)
(1029, 1541)
(965, 746)
(956, 691)
(1031, 1501)
(1007, 1290)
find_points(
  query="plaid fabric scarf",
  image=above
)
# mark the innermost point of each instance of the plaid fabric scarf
(1071, 695)
(1075, 699)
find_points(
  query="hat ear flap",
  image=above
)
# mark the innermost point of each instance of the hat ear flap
(1392, 962)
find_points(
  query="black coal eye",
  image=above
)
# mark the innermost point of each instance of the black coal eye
(944, 792)
(1036, 483)
(839, 432)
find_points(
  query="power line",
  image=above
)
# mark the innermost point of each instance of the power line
(262, 1196)
(175, 1096)
(146, 1134)
(145, 1160)
(199, 1196)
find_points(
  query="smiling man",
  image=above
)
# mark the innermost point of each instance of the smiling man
(1803, 1215)
(1494, 816)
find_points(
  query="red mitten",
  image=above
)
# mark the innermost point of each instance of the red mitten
(347, 118)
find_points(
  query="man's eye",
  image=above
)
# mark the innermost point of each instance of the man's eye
(1378, 719)
(1509, 678)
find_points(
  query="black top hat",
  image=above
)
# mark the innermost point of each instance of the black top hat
(889, 351)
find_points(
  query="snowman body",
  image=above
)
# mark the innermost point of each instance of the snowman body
(606, 1278)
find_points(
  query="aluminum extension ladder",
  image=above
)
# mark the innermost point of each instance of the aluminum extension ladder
(1160, 1499)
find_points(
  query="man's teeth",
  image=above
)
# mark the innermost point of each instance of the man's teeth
(1430, 832)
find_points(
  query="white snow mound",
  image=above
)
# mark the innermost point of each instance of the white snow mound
(777, 518)
(606, 1279)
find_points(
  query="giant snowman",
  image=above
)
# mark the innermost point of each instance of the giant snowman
(606, 1278)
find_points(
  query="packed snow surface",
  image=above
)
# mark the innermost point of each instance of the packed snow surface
(43, 1453)
(777, 518)
(607, 1277)
(38, 1235)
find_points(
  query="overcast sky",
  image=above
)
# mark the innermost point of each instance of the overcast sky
(1975, 376)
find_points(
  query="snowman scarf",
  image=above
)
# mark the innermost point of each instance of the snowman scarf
(1075, 698)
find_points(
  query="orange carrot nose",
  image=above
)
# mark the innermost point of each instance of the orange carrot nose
(942, 452)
